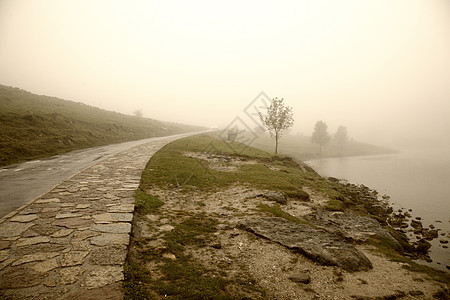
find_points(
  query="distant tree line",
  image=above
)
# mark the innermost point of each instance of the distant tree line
(321, 136)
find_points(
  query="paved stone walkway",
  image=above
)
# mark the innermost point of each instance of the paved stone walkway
(72, 242)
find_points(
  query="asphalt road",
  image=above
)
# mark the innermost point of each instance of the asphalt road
(21, 183)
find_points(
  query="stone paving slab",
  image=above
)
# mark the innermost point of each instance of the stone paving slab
(72, 242)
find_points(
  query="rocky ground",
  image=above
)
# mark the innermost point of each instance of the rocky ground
(266, 246)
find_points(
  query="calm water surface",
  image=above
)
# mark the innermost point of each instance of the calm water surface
(417, 180)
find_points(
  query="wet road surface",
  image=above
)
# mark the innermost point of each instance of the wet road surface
(22, 183)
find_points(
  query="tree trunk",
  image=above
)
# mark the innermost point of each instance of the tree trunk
(276, 143)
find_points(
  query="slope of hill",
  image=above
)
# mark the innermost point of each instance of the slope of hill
(34, 126)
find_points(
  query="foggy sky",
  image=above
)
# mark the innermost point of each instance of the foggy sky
(381, 68)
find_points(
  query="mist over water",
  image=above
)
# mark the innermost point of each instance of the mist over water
(418, 179)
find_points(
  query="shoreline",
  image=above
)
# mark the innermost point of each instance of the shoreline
(306, 158)
(403, 222)
(412, 225)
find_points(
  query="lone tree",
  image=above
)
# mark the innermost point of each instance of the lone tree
(341, 135)
(320, 135)
(278, 119)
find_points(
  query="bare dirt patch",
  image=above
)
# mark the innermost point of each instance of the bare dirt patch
(220, 162)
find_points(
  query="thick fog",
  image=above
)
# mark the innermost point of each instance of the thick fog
(381, 68)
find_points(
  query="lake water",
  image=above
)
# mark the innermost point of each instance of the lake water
(417, 180)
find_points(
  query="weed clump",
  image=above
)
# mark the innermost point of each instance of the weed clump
(276, 211)
(193, 231)
(136, 277)
(335, 205)
(146, 203)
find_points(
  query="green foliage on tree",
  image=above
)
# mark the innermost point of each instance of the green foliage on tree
(320, 135)
(277, 120)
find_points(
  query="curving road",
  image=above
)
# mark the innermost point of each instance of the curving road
(21, 183)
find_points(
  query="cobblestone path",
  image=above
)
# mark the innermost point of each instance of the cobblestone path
(72, 242)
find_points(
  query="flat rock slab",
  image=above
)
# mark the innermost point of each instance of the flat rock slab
(46, 266)
(73, 258)
(301, 278)
(20, 277)
(113, 217)
(109, 255)
(72, 223)
(318, 245)
(104, 275)
(24, 218)
(110, 292)
(46, 201)
(70, 275)
(10, 229)
(351, 226)
(32, 241)
(112, 228)
(35, 257)
(5, 244)
(125, 208)
(106, 239)
(62, 233)
(67, 215)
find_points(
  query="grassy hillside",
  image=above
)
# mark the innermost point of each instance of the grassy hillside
(34, 126)
(300, 147)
